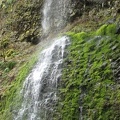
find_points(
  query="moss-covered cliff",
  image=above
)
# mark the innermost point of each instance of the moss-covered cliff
(91, 75)
(91, 88)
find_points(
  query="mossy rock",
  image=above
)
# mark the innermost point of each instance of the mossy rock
(89, 75)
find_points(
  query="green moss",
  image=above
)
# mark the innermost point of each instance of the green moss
(107, 30)
(78, 36)
(11, 98)
(89, 81)
(111, 29)
(101, 30)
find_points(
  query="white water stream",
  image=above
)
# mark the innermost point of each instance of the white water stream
(40, 89)
(55, 15)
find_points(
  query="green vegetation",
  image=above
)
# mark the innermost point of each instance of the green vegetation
(11, 98)
(101, 30)
(19, 24)
(107, 30)
(3, 3)
(7, 65)
(91, 76)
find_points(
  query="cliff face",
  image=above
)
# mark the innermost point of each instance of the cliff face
(20, 32)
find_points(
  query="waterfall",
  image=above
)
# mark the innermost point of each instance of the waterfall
(40, 88)
(55, 15)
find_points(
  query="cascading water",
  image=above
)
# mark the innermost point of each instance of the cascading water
(55, 15)
(40, 87)
(39, 93)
